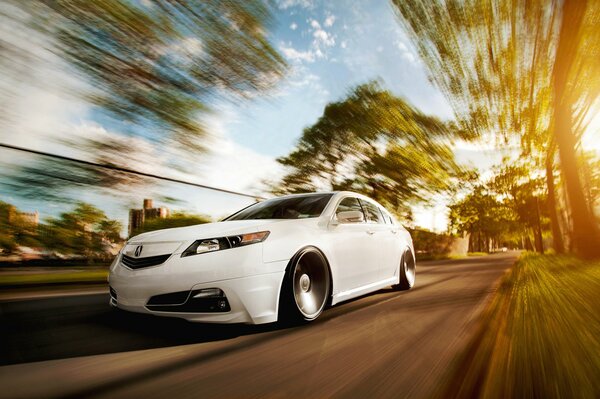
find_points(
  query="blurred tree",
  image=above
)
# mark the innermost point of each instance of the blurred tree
(576, 65)
(160, 63)
(84, 231)
(154, 66)
(524, 194)
(375, 143)
(177, 219)
(518, 68)
(488, 221)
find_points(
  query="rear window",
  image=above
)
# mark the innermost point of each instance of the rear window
(297, 207)
(373, 213)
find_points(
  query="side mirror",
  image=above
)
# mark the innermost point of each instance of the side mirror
(350, 217)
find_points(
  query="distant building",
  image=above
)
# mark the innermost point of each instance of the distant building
(137, 217)
(29, 220)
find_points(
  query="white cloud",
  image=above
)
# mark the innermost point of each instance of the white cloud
(329, 20)
(322, 37)
(294, 55)
(285, 4)
(293, 26)
(401, 46)
(409, 57)
(344, 44)
(379, 49)
(314, 24)
(406, 52)
(230, 165)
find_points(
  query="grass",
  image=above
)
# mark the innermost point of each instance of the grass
(539, 337)
(427, 257)
(44, 278)
(477, 254)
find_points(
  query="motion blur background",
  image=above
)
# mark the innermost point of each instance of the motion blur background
(447, 114)
(475, 122)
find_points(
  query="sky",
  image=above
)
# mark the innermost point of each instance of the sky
(331, 46)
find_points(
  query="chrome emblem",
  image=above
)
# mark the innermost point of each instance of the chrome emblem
(138, 250)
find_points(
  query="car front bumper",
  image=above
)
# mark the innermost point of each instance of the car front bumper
(250, 286)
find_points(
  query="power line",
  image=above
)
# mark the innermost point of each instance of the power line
(126, 170)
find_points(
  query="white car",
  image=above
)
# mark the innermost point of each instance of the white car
(283, 258)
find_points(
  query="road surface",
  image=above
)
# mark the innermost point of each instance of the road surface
(387, 344)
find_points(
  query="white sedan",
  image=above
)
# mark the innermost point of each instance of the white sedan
(283, 258)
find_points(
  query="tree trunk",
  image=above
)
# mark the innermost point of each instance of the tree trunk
(586, 237)
(557, 238)
(539, 241)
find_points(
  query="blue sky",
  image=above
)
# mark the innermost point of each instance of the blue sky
(330, 47)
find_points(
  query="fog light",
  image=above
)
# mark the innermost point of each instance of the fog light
(209, 293)
(222, 304)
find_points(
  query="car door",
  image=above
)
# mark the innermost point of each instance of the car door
(391, 246)
(381, 235)
(354, 249)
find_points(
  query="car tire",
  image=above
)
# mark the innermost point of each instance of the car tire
(306, 287)
(407, 271)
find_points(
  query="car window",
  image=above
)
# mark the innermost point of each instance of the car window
(386, 216)
(372, 211)
(297, 207)
(349, 204)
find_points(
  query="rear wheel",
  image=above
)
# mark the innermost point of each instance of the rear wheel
(305, 290)
(407, 271)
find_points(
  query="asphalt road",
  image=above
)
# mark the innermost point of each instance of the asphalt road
(387, 344)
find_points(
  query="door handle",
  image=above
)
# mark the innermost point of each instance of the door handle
(394, 231)
(370, 232)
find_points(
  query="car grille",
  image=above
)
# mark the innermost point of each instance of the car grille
(139, 263)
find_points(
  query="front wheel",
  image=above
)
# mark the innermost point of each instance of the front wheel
(407, 271)
(305, 289)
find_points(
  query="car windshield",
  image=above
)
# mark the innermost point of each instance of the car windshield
(297, 207)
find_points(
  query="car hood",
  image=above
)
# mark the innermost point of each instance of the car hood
(201, 231)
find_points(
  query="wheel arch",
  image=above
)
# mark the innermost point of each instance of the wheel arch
(288, 268)
(295, 256)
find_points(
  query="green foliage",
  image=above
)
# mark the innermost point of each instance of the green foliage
(155, 67)
(527, 70)
(509, 209)
(177, 219)
(493, 61)
(160, 63)
(429, 245)
(484, 217)
(84, 231)
(375, 143)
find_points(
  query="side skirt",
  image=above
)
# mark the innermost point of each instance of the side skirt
(365, 289)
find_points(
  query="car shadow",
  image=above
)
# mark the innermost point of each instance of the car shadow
(58, 328)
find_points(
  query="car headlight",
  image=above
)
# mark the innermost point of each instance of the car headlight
(217, 244)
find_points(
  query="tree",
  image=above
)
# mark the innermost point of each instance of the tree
(160, 63)
(571, 48)
(487, 220)
(84, 231)
(504, 65)
(524, 195)
(155, 68)
(376, 143)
